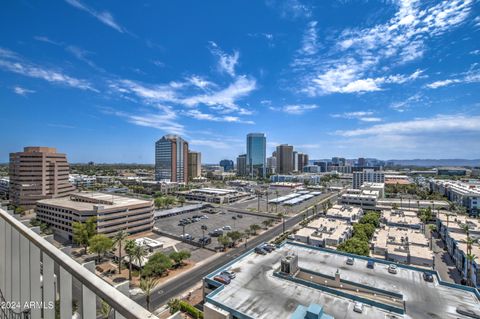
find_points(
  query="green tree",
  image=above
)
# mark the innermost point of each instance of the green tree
(364, 231)
(181, 200)
(371, 218)
(118, 240)
(254, 228)
(82, 232)
(157, 265)
(224, 240)
(173, 305)
(139, 253)
(100, 244)
(354, 246)
(179, 256)
(234, 236)
(148, 285)
(159, 202)
(130, 248)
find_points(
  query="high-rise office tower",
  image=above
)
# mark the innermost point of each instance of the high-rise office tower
(284, 159)
(361, 162)
(194, 164)
(295, 161)
(242, 165)
(302, 161)
(38, 173)
(272, 165)
(171, 159)
(227, 165)
(256, 154)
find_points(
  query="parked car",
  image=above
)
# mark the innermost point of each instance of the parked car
(227, 228)
(223, 279)
(371, 264)
(187, 237)
(271, 246)
(427, 276)
(358, 307)
(239, 216)
(392, 268)
(260, 251)
(205, 240)
(350, 261)
(229, 274)
(268, 249)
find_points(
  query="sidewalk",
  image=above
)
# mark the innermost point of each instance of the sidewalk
(444, 263)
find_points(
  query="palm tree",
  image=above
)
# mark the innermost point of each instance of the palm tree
(148, 285)
(173, 305)
(470, 259)
(130, 247)
(139, 253)
(118, 241)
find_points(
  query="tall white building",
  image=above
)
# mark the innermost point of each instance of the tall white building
(367, 175)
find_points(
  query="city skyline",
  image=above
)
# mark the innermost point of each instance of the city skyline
(387, 80)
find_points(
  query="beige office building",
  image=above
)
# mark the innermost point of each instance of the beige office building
(38, 173)
(113, 213)
(194, 165)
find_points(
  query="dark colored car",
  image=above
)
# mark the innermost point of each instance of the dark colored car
(223, 279)
(260, 250)
(205, 240)
(371, 264)
(428, 277)
(267, 248)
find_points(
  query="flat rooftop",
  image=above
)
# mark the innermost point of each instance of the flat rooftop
(257, 293)
(86, 201)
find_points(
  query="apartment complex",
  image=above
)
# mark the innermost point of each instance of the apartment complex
(113, 213)
(38, 173)
(367, 175)
(402, 245)
(194, 164)
(171, 159)
(325, 232)
(466, 194)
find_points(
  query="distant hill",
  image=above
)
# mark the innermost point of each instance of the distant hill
(437, 162)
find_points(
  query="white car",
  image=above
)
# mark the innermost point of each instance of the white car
(358, 307)
(227, 228)
(392, 269)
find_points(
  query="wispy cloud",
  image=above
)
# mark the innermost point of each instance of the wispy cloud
(402, 106)
(12, 62)
(291, 9)
(82, 55)
(439, 123)
(164, 119)
(471, 76)
(56, 125)
(45, 39)
(361, 59)
(310, 39)
(226, 62)
(103, 16)
(22, 91)
(297, 109)
(364, 116)
(197, 114)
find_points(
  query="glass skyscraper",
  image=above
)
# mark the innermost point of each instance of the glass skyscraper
(256, 154)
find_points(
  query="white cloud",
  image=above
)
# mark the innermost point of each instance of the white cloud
(10, 61)
(196, 114)
(46, 40)
(81, 55)
(291, 9)
(200, 82)
(296, 109)
(402, 106)
(105, 17)
(22, 91)
(471, 76)
(359, 58)
(310, 41)
(437, 124)
(364, 116)
(226, 62)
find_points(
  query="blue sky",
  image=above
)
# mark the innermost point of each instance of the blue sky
(102, 81)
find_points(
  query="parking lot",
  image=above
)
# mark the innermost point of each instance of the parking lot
(220, 220)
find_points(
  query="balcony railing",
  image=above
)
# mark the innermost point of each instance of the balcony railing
(36, 277)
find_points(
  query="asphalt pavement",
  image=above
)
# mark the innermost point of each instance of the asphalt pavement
(178, 285)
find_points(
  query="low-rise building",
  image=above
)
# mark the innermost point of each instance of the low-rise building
(163, 187)
(302, 178)
(375, 187)
(402, 245)
(113, 213)
(452, 230)
(325, 232)
(344, 212)
(466, 194)
(4, 186)
(401, 218)
(213, 195)
(79, 180)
